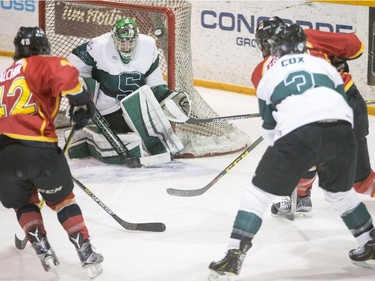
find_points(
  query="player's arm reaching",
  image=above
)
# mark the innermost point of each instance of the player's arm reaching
(345, 46)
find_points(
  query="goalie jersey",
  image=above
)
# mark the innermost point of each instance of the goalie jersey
(100, 60)
(297, 90)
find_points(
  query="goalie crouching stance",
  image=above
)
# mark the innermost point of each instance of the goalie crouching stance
(130, 97)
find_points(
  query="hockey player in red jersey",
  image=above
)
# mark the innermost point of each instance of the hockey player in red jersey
(336, 48)
(305, 112)
(31, 162)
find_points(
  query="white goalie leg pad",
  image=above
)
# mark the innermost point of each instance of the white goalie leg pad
(99, 147)
(92, 137)
(154, 120)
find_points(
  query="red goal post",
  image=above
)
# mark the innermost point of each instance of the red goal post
(71, 23)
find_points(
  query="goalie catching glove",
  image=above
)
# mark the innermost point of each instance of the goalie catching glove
(183, 102)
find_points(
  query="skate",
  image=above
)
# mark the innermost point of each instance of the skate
(365, 256)
(90, 260)
(43, 249)
(284, 207)
(229, 267)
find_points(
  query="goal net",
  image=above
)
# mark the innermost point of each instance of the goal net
(71, 23)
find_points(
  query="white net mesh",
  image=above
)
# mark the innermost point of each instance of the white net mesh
(71, 23)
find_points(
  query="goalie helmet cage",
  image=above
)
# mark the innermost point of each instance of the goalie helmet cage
(71, 23)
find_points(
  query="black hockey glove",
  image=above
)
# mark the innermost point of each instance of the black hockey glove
(80, 115)
(340, 64)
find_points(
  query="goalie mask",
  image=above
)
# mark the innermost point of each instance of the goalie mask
(288, 39)
(125, 33)
(265, 30)
(30, 41)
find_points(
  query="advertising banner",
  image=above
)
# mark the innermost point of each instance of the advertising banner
(14, 14)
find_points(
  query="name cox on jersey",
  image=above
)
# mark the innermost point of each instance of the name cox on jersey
(291, 61)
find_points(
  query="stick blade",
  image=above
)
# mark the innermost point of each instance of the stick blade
(20, 244)
(186, 192)
(150, 226)
(142, 226)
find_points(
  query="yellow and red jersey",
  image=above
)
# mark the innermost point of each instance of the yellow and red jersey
(30, 94)
(345, 46)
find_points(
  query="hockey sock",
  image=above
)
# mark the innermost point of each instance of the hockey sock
(72, 221)
(359, 222)
(305, 183)
(29, 217)
(246, 225)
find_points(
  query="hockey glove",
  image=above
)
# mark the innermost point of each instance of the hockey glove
(340, 64)
(183, 102)
(81, 115)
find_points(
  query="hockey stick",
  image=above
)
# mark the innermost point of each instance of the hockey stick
(200, 191)
(148, 226)
(115, 141)
(181, 117)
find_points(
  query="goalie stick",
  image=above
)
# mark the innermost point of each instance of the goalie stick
(200, 191)
(118, 145)
(180, 117)
(115, 141)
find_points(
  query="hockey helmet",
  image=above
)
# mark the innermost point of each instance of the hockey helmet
(264, 31)
(125, 33)
(30, 41)
(288, 39)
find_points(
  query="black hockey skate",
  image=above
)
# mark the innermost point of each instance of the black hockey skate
(365, 256)
(89, 259)
(43, 249)
(230, 266)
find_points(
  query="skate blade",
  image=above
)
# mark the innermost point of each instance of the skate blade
(292, 217)
(94, 270)
(304, 214)
(51, 266)
(370, 264)
(215, 276)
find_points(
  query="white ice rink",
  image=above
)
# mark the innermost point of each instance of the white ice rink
(198, 228)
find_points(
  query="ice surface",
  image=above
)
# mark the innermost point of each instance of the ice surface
(198, 228)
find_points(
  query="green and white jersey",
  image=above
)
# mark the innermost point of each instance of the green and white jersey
(100, 60)
(297, 90)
